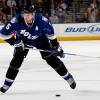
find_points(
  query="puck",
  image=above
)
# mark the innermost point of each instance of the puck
(58, 95)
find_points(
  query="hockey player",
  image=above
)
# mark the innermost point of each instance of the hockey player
(31, 29)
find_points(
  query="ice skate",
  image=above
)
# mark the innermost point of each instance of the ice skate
(69, 78)
(71, 82)
(3, 90)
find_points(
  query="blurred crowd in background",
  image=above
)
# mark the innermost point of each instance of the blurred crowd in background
(58, 11)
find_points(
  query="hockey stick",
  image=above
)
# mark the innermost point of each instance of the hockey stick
(80, 55)
(73, 54)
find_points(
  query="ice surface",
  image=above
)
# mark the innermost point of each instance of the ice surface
(38, 81)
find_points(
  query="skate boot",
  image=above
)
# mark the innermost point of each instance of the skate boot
(69, 78)
(7, 85)
(3, 90)
(71, 82)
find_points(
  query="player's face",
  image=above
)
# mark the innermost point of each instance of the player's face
(28, 17)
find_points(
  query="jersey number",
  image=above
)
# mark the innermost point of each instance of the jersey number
(8, 26)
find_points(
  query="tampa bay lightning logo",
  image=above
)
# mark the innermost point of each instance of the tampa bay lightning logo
(13, 20)
(94, 29)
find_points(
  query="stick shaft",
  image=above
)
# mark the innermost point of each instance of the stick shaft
(73, 54)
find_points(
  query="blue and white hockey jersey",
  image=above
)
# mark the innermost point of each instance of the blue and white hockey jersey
(29, 34)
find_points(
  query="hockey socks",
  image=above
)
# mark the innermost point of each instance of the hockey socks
(69, 78)
(6, 86)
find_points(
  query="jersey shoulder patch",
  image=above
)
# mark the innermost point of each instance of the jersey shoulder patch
(14, 20)
(44, 19)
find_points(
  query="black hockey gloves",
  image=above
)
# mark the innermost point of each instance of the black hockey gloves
(19, 45)
(11, 41)
(58, 51)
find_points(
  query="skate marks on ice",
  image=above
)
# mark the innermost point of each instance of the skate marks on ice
(48, 89)
(51, 95)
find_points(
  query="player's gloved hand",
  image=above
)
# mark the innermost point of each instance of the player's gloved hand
(19, 45)
(59, 52)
